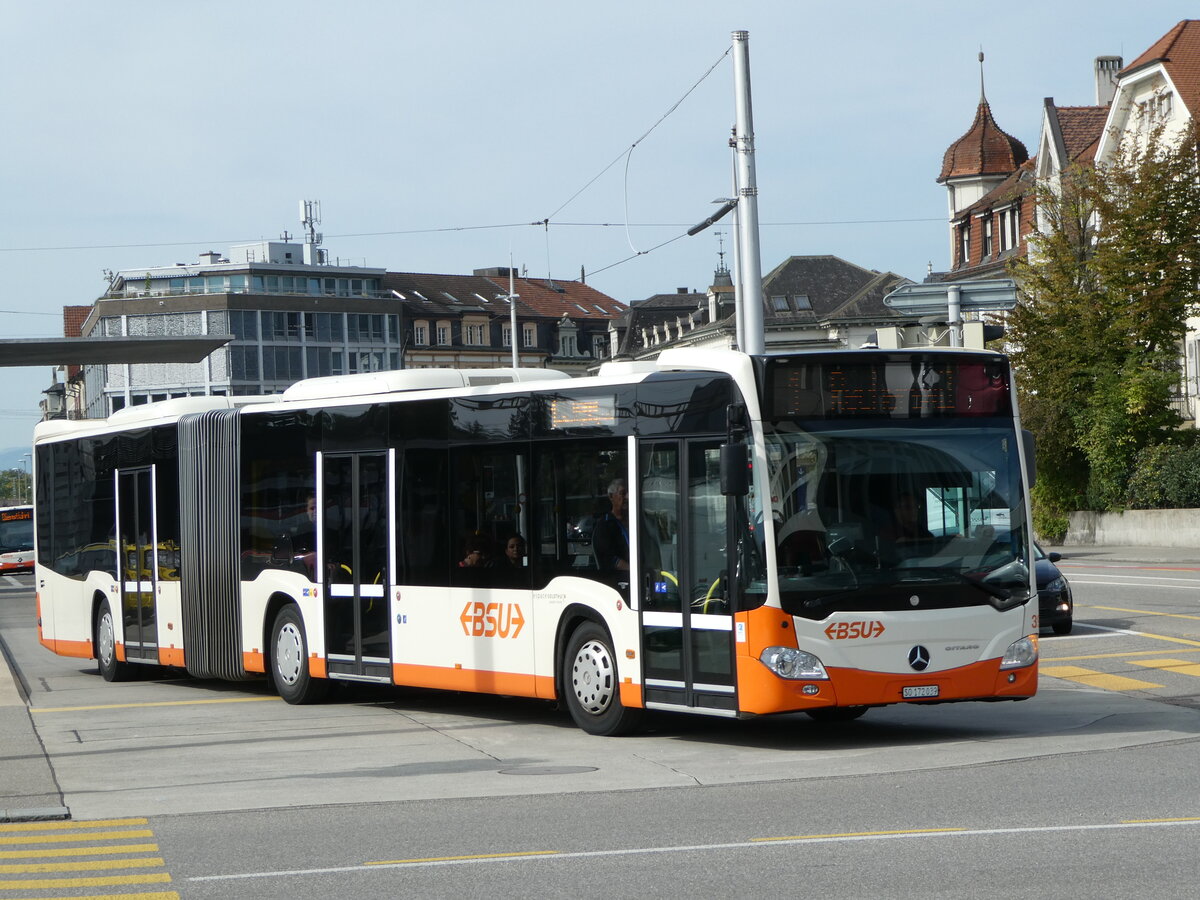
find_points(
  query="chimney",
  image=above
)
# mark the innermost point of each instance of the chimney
(1107, 68)
(682, 290)
(210, 258)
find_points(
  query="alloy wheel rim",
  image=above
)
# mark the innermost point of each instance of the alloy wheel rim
(593, 676)
(288, 653)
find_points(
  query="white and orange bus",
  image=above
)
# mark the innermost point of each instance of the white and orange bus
(821, 532)
(16, 539)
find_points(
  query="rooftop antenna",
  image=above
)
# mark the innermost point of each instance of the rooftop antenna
(310, 218)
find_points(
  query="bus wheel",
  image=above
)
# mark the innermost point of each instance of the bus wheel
(111, 669)
(289, 660)
(835, 713)
(591, 685)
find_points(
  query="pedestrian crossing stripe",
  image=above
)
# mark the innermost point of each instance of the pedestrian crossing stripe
(1092, 678)
(82, 867)
(1179, 666)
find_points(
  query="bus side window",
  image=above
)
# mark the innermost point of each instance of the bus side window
(425, 547)
(570, 499)
(489, 486)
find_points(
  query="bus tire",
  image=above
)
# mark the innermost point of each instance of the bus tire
(835, 713)
(592, 686)
(111, 669)
(289, 660)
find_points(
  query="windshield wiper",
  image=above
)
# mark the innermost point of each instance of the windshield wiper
(934, 574)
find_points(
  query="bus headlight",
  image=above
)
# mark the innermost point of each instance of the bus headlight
(788, 662)
(1020, 654)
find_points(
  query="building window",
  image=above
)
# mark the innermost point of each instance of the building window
(443, 333)
(987, 237)
(474, 334)
(529, 336)
(964, 244)
(780, 304)
(600, 346)
(506, 335)
(421, 333)
(801, 301)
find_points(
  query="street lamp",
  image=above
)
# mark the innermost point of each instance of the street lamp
(26, 479)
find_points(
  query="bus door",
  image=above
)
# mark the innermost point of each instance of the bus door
(137, 559)
(686, 620)
(353, 559)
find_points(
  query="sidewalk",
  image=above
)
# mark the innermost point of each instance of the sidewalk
(28, 791)
(1096, 554)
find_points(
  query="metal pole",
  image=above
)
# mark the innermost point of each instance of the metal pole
(512, 314)
(750, 264)
(739, 321)
(954, 301)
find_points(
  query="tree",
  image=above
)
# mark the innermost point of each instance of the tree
(1103, 298)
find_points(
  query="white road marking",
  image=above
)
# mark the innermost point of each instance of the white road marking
(706, 848)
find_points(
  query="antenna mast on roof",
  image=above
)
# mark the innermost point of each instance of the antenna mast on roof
(310, 218)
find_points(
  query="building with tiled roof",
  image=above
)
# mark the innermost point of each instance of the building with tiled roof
(1161, 85)
(291, 315)
(981, 159)
(986, 234)
(810, 302)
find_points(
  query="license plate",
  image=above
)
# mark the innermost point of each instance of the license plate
(921, 690)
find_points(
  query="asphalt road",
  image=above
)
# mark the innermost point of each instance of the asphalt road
(218, 790)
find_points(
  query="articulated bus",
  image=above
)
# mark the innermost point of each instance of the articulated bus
(16, 539)
(821, 532)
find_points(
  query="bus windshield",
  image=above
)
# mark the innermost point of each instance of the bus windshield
(872, 515)
(16, 529)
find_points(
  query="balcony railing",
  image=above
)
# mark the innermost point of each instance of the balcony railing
(1185, 406)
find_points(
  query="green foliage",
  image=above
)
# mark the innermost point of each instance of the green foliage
(1166, 476)
(1104, 295)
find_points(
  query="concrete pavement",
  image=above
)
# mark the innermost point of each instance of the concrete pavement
(28, 790)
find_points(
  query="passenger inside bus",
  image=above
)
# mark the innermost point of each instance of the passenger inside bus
(610, 539)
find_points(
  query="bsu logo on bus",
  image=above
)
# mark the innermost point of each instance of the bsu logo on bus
(489, 620)
(848, 631)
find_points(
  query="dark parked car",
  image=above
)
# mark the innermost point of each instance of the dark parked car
(1056, 607)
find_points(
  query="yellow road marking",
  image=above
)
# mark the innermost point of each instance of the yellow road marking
(850, 834)
(78, 851)
(1170, 665)
(1124, 655)
(1096, 679)
(90, 865)
(1151, 612)
(150, 895)
(1153, 821)
(85, 836)
(101, 881)
(56, 709)
(59, 826)
(397, 862)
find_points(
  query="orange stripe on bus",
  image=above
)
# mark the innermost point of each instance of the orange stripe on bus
(171, 656)
(81, 649)
(316, 667)
(631, 695)
(476, 680)
(254, 661)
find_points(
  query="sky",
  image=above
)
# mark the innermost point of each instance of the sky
(436, 136)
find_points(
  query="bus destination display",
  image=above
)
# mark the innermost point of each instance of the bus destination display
(583, 412)
(908, 390)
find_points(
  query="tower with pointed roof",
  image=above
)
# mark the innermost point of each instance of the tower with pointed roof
(979, 160)
(983, 157)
